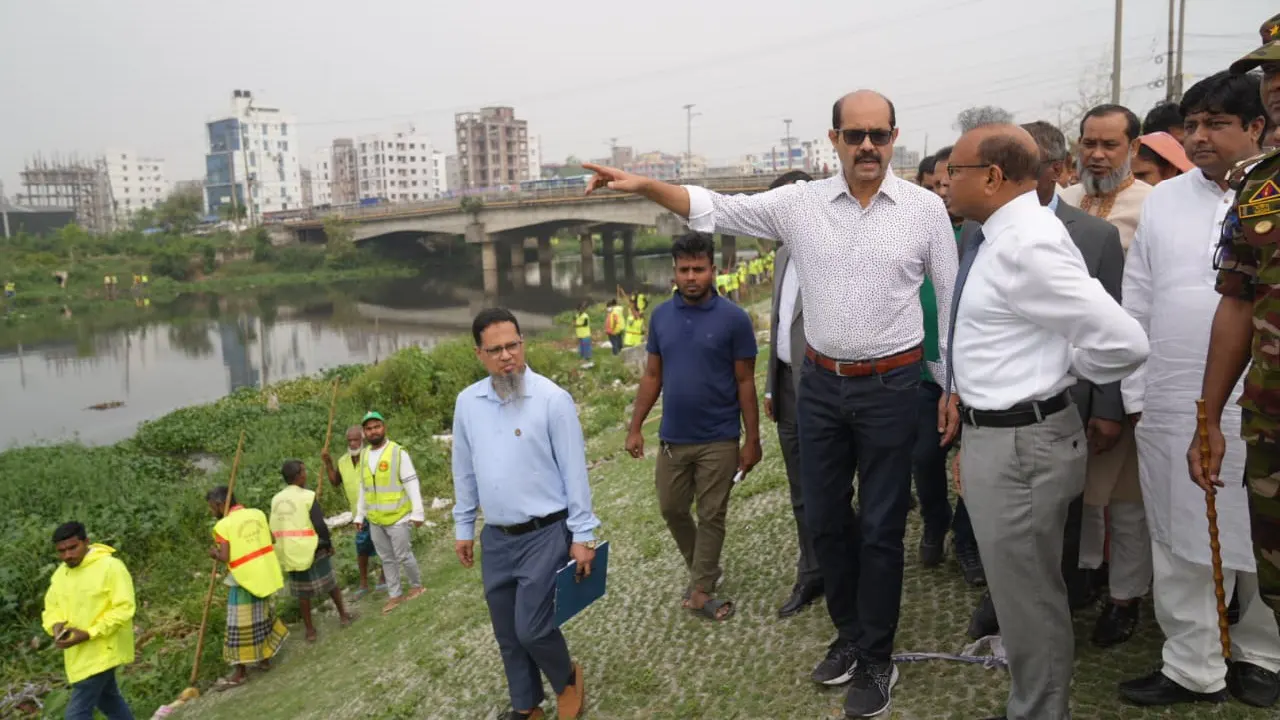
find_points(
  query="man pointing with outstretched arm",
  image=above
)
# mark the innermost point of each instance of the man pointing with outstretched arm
(862, 242)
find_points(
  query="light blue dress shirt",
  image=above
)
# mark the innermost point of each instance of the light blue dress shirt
(519, 459)
(1053, 204)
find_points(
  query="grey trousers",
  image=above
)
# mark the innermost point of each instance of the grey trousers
(394, 547)
(519, 574)
(784, 409)
(1018, 485)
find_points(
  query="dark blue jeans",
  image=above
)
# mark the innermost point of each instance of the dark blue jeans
(929, 465)
(98, 691)
(584, 348)
(865, 425)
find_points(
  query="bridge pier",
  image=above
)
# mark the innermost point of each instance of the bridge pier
(517, 263)
(629, 256)
(728, 251)
(489, 262)
(588, 258)
(610, 266)
(544, 260)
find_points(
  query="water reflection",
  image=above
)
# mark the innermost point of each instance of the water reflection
(198, 348)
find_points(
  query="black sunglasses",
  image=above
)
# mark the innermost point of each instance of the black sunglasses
(853, 136)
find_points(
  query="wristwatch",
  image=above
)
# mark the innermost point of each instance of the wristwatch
(590, 544)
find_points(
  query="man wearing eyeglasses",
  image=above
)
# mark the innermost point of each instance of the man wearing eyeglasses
(518, 453)
(1028, 321)
(862, 241)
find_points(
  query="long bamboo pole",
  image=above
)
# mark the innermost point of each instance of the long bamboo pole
(213, 573)
(333, 403)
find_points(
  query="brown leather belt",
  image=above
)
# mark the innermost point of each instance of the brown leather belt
(862, 368)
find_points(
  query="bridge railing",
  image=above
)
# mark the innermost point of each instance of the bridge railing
(507, 197)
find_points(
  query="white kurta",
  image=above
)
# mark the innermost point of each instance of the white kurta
(1169, 287)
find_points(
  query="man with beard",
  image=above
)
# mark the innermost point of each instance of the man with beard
(702, 359)
(536, 518)
(1244, 329)
(391, 500)
(347, 477)
(1109, 140)
(1167, 287)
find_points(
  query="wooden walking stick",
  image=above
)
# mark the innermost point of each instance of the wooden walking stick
(1215, 548)
(333, 403)
(213, 576)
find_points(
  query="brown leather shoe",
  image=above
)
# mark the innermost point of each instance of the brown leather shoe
(569, 704)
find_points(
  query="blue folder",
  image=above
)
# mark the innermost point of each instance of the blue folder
(574, 595)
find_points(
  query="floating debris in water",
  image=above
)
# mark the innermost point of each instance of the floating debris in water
(106, 405)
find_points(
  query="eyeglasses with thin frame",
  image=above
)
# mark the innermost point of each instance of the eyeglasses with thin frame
(855, 136)
(510, 348)
(951, 169)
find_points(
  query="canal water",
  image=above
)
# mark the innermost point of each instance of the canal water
(199, 348)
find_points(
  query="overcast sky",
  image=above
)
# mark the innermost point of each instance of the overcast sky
(82, 76)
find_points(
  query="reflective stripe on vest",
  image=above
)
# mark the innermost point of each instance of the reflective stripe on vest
(252, 559)
(350, 480)
(295, 538)
(385, 500)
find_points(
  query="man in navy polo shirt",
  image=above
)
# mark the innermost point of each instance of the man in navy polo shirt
(702, 351)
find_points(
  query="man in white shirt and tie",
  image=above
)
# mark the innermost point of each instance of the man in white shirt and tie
(1028, 321)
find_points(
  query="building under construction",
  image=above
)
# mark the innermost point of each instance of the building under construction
(74, 184)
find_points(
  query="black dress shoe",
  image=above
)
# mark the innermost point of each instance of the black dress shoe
(1157, 689)
(984, 622)
(971, 566)
(933, 547)
(801, 597)
(1253, 685)
(1116, 624)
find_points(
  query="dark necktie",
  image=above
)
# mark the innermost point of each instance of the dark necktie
(966, 262)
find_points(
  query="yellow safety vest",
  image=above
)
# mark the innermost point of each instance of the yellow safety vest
(615, 321)
(115, 280)
(253, 561)
(295, 537)
(642, 301)
(106, 279)
(9, 287)
(582, 325)
(144, 279)
(635, 331)
(732, 283)
(385, 500)
(350, 480)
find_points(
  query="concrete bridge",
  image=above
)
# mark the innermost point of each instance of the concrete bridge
(503, 222)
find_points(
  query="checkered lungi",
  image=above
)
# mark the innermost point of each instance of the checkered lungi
(254, 633)
(316, 581)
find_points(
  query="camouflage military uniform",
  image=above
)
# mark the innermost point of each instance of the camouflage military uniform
(1248, 265)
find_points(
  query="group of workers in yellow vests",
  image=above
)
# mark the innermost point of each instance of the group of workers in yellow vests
(731, 282)
(623, 326)
(90, 604)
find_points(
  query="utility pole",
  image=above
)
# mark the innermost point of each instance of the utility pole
(1182, 20)
(688, 137)
(787, 141)
(1168, 62)
(1115, 55)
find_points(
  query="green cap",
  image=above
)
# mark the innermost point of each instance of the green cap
(1270, 50)
(372, 415)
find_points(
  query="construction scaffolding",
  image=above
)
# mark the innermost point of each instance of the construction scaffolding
(74, 184)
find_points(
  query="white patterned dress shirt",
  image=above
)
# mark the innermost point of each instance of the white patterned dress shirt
(860, 269)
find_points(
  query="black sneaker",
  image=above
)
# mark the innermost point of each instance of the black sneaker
(971, 566)
(932, 548)
(871, 691)
(837, 667)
